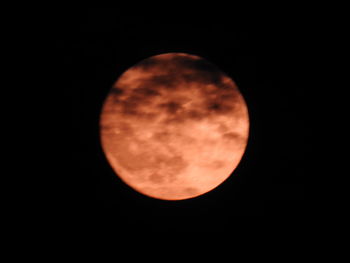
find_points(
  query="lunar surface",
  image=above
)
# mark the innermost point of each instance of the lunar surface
(174, 126)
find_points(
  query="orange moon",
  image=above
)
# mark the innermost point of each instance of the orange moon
(174, 126)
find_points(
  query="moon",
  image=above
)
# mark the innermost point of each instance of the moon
(174, 126)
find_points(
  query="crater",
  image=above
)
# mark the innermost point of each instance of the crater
(191, 190)
(156, 178)
(231, 135)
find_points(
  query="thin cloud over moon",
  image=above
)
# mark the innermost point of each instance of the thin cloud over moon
(174, 126)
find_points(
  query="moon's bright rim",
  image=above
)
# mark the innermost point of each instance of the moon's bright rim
(174, 126)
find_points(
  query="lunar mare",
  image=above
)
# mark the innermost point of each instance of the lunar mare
(174, 126)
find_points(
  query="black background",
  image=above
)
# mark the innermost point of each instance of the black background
(93, 47)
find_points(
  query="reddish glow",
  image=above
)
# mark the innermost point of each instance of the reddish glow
(174, 126)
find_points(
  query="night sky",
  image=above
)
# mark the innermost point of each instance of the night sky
(95, 46)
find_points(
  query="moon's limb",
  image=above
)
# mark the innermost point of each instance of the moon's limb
(174, 126)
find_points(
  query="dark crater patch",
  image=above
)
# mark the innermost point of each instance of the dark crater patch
(171, 107)
(156, 178)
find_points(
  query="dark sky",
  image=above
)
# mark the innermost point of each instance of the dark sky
(95, 46)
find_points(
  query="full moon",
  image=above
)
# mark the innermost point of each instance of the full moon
(174, 126)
